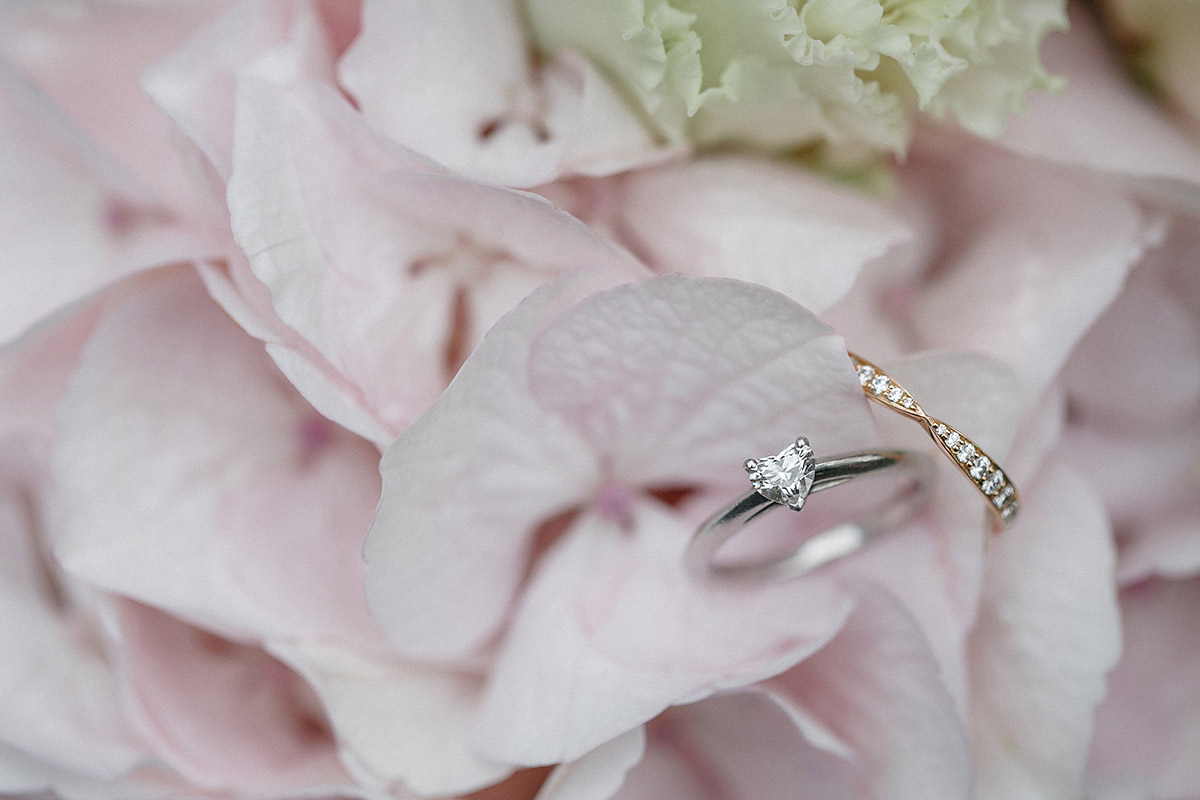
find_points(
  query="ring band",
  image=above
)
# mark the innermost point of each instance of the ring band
(787, 479)
(991, 481)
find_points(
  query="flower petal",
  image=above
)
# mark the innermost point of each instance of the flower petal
(453, 80)
(224, 714)
(679, 380)
(465, 486)
(758, 221)
(1024, 277)
(877, 688)
(368, 254)
(168, 476)
(1047, 633)
(396, 724)
(612, 630)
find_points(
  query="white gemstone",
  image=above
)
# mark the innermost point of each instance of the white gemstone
(907, 402)
(786, 477)
(953, 439)
(895, 393)
(942, 430)
(966, 453)
(879, 383)
(1008, 511)
(982, 465)
(865, 373)
(994, 482)
(1002, 498)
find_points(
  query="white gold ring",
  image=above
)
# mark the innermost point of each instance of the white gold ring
(787, 479)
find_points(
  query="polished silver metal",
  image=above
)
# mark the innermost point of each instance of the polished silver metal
(826, 546)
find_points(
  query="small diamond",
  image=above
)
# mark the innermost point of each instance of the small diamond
(993, 482)
(907, 402)
(1009, 510)
(895, 393)
(786, 477)
(879, 383)
(1002, 498)
(966, 453)
(942, 430)
(953, 439)
(865, 373)
(982, 465)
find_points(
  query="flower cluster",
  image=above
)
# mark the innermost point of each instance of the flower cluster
(365, 370)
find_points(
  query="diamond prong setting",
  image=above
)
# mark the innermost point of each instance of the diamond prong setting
(786, 477)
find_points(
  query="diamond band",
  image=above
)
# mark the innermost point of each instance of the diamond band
(977, 465)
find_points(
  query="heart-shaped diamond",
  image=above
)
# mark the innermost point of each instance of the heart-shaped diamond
(787, 477)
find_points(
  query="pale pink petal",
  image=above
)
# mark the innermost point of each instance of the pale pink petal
(679, 380)
(1148, 727)
(168, 476)
(612, 630)
(371, 257)
(465, 486)
(758, 221)
(397, 725)
(71, 219)
(225, 715)
(455, 81)
(598, 774)
(1103, 121)
(90, 58)
(196, 84)
(739, 746)
(1032, 255)
(60, 706)
(876, 686)
(1047, 634)
(1139, 366)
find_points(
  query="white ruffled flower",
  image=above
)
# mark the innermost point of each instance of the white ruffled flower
(790, 73)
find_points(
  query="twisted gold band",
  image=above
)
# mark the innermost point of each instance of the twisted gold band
(969, 457)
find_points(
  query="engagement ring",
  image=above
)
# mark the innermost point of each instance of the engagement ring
(787, 479)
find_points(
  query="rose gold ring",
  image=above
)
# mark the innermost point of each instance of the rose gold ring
(978, 466)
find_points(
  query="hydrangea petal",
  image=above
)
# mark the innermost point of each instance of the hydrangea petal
(1023, 279)
(757, 221)
(454, 81)
(1048, 632)
(598, 775)
(224, 714)
(680, 380)
(72, 220)
(1125, 134)
(366, 251)
(612, 630)
(877, 687)
(163, 476)
(467, 483)
(1147, 727)
(399, 726)
(738, 746)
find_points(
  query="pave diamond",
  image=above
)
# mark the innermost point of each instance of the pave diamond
(865, 373)
(785, 478)
(908, 402)
(953, 439)
(942, 430)
(966, 453)
(983, 465)
(1010, 509)
(1002, 498)
(895, 393)
(994, 482)
(879, 383)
